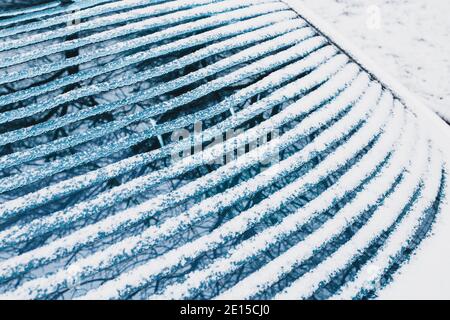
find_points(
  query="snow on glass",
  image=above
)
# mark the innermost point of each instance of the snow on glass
(391, 171)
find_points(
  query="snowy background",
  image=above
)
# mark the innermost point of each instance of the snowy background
(410, 38)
